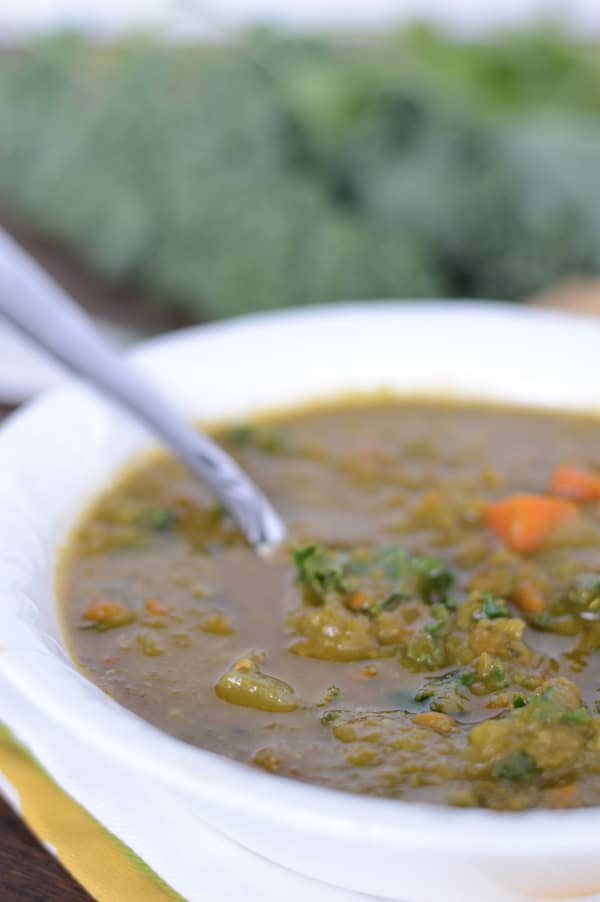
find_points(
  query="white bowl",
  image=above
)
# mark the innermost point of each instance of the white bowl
(64, 448)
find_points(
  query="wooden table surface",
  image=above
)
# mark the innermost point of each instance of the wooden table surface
(28, 873)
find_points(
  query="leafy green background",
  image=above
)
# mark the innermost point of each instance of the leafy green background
(287, 171)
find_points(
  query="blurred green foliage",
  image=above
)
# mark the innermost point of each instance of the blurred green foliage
(288, 171)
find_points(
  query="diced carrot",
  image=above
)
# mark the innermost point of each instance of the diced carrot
(360, 600)
(154, 606)
(104, 610)
(244, 664)
(529, 597)
(435, 720)
(106, 614)
(576, 483)
(523, 522)
(365, 673)
(563, 796)
(432, 497)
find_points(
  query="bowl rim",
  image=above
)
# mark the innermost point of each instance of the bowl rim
(206, 775)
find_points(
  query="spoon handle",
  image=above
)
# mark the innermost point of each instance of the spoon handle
(33, 302)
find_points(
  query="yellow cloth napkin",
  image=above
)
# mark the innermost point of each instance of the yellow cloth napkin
(107, 868)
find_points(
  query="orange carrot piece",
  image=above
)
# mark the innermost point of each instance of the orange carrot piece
(360, 600)
(154, 606)
(107, 614)
(432, 497)
(576, 483)
(365, 673)
(523, 522)
(529, 597)
(104, 610)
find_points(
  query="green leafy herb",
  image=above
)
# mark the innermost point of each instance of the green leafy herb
(541, 621)
(585, 596)
(518, 767)
(320, 571)
(553, 703)
(329, 717)
(578, 717)
(445, 693)
(493, 607)
(240, 434)
(424, 652)
(518, 701)
(497, 677)
(425, 692)
(452, 603)
(468, 678)
(441, 615)
(384, 577)
(561, 624)
(379, 573)
(388, 604)
(159, 519)
(269, 439)
(435, 578)
(330, 693)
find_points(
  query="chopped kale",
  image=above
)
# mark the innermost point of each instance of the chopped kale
(240, 434)
(518, 767)
(329, 717)
(424, 652)
(541, 621)
(553, 704)
(452, 603)
(388, 604)
(497, 677)
(159, 519)
(579, 717)
(435, 578)
(561, 624)
(320, 571)
(425, 692)
(381, 575)
(586, 592)
(493, 607)
(269, 439)
(445, 693)
(441, 614)
(372, 580)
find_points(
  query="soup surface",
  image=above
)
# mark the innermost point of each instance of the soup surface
(430, 631)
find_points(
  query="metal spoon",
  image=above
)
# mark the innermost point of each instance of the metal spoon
(33, 302)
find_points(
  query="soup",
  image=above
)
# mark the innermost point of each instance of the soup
(429, 631)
